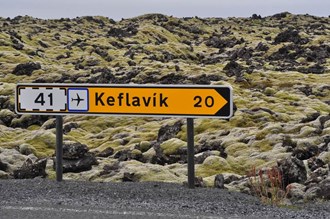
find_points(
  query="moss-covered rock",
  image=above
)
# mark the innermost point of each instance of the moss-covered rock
(43, 142)
(172, 146)
(212, 165)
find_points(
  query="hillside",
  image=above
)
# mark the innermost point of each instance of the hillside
(278, 66)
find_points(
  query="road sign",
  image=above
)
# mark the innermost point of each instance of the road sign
(144, 100)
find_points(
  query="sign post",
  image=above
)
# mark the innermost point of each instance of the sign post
(191, 153)
(188, 101)
(59, 148)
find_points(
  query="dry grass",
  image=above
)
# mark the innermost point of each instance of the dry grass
(268, 185)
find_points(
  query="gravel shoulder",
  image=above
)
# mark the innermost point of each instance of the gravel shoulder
(143, 200)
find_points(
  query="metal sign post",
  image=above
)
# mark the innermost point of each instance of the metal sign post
(59, 148)
(191, 153)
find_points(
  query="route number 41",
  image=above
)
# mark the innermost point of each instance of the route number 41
(41, 99)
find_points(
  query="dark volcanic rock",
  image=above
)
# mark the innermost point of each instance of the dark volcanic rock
(129, 177)
(76, 157)
(281, 15)
(125, 155)
(130, 30)
(219, 181)
(27, 120)
(289, 35)
(3, 166)
(220, 43)
(262, 47)
(6, 116)
(233, 68)
(315, 69)
(26, 68)
(293, 170)
(106, 152)
(69, 126)
(78, 165)
(31, 169)
(74, 150)
(172, 78)
(325, 189)
(205, 79)
(212, 145)
(242, 53)
(169, 131)
(199, 182)
(305, 151)
(310, 117)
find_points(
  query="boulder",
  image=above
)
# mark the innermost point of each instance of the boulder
(27, 120)
(293, 170)
(3, 175)
(212, 165)
(67, 127)
(200, 157)
(312, 193)
(149, 155)
(169, 131)
(199, 182)
(74, 150)
(305, 150)
(27, 149)
(231, 177)
(172, 146)
(49, 124)
(30, 169)
(6, 116)
(129, 177)
(78, 165)
(325, 188)
(219, 181)
(296, 192)
(233, 68)
(128, 31)
(144, 146)
(106, 152)
(26, 68)
(125, 155)
(11, 160)
(289, 35)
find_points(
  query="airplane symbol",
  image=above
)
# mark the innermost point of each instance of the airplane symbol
(78, 99)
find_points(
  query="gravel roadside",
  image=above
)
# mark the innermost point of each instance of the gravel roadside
(149, 200)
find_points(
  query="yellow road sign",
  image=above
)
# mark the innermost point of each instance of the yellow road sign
(143, 100)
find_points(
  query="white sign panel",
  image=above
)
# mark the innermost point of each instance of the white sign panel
(43, 99)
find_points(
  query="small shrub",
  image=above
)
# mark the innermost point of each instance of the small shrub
(268, 185)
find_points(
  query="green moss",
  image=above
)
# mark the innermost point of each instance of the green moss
(209, 125)
(44, 143)
(33, 127)
(262, 145)
(269, 91)
(284, 95)
(27, 149)
(236, 149)
(242, 165)
(212, 165)
(241, 120)
(51, 174)
(172, 146)
(144, 146)
(209, 181)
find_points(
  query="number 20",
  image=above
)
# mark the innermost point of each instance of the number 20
(209, 101)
